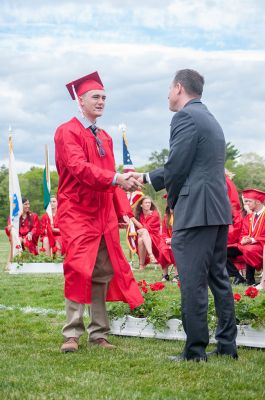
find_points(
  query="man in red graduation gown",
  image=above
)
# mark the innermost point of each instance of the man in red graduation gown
(234, 229)
(90, 203)
(252, 237)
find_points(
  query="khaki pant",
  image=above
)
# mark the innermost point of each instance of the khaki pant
(99, 325)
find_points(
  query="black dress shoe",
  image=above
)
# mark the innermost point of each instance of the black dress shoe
(181, 358)
(239, 280)
(216, 353)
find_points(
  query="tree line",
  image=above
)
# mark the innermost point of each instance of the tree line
(249, 170)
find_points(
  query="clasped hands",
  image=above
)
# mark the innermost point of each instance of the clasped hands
(130, 181)
(246, 240)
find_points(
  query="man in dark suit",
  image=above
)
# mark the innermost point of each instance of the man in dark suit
(195, 182)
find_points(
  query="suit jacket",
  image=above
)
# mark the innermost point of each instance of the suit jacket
(194, 173)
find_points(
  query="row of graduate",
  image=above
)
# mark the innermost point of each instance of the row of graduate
(154, 249)
(32, 230)
(153, 240)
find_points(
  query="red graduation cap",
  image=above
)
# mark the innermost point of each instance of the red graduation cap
(254, 194)
(84, 84)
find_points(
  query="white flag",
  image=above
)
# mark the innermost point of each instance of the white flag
(15, 201)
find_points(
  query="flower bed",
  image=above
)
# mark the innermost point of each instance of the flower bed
(36, 268)
(28, 263)
(160, 315)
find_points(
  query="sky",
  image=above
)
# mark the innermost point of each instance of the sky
(136, 46)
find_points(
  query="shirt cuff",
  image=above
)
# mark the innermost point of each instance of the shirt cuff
(147, 177)
(115, 179)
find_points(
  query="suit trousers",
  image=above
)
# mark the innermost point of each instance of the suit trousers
(99, 323)
(200, 255)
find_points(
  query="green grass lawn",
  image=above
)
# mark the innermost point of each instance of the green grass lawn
(33, 368)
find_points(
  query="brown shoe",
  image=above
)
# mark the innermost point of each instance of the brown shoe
(102, 343)
(70, 345)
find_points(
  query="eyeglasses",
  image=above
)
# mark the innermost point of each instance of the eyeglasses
(101, 150)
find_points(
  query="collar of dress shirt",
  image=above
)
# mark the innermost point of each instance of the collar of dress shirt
(260, 211)
(86, 122)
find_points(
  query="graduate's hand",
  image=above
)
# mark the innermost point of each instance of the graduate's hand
(126, 219)
(9, 227)
(29, 236)
(128, 182)
(246, 240)
(138, 176)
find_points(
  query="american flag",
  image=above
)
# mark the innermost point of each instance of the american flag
(133, 197)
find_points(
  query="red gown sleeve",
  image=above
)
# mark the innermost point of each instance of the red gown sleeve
(245, 227)
(235, 228)
(43, 226)
(68, 145)
(35, 228)
(165, 232)
(121, 203)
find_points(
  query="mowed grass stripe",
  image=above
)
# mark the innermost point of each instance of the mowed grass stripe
(34, 368)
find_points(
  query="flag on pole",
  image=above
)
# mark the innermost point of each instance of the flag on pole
(133, 197)
(47, 184)
(128, 166)
(131, 237)
(15, 200)
(127, 162)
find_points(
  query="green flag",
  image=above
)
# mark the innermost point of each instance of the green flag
(46, 192)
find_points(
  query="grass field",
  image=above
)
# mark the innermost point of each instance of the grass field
(33, 368)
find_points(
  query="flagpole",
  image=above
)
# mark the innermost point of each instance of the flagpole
(10, 146)
(47, 184)
(46, 156)
(15, 202)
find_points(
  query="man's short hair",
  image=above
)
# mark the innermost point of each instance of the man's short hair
(191, 80)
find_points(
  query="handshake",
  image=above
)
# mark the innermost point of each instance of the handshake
(130, 181)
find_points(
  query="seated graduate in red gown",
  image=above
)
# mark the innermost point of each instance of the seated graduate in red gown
(50, 234)
(147, 223)
(234, 229)
(252, 238)
(29, 228)
(167, 253)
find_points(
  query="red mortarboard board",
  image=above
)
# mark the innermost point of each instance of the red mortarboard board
(254, 194)
(84, 84)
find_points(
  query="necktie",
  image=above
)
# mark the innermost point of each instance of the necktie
(93, 129)
(100, 147)
(256, 216)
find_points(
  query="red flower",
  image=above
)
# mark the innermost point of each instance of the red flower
(142, 283)
(251, 292)
(157, 286)
(237, 296)
(144, 289)
(18, 246)
(42, 249)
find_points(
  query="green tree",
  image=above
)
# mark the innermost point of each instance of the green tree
(249, 172)
(232, 153)
(158, 159)
(4, 196)
(31, 186)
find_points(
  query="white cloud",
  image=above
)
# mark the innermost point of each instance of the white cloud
(136, 71)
